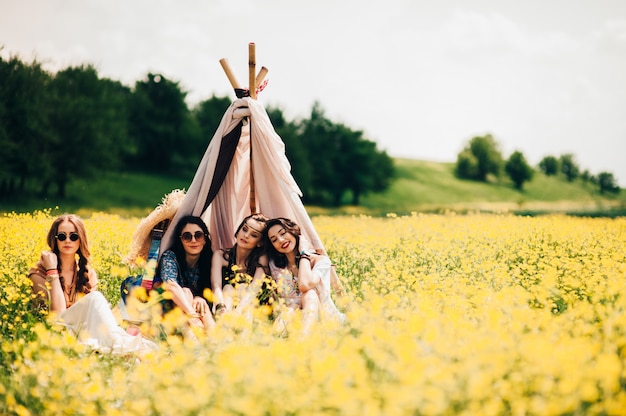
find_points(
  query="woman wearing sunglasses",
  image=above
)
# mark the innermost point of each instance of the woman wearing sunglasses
(185, 270)
(234, 269)
(64, 280)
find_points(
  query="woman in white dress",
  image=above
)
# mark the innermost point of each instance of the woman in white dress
(302, 275)
(64, 280)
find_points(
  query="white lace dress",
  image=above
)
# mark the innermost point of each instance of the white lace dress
(288, 288)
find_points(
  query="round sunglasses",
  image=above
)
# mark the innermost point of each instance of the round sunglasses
(63, 236)
(187, 236)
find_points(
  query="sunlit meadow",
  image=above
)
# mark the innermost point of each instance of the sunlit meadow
(469, 315)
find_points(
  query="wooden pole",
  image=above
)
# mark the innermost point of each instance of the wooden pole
(252, 70)
(230, 74)
(252, 86)
(260, 77)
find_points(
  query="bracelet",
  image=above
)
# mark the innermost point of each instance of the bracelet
(51, 278)
(51, 272)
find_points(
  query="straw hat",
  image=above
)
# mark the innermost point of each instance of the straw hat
(140, 242)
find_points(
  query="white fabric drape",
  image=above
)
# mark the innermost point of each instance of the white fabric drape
(90, 319)
(276, 191)
(329, 311)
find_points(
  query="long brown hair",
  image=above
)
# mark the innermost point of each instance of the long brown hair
(82, 282)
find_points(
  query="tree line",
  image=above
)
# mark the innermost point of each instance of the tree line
(481, 159)
(55, 127)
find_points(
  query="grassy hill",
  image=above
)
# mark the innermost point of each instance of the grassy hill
(433, 187)
(420, 186)
(127, 194)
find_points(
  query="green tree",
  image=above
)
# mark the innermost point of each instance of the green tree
(488, 159)
(24, 130)
(208, 115)
(158, 117)
(466, 165)
(364, 168)
(569, 167)
(549, 165)
(376, 170)
(607, 183)
(342, 160)
(88, 122)
(518, 169)
(319, 139)
(294, 149)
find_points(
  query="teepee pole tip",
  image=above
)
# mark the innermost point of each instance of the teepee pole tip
(230, 74)
(252, 69)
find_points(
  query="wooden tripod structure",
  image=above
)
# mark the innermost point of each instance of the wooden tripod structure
(254, 82)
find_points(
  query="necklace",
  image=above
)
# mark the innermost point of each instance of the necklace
(69, 287)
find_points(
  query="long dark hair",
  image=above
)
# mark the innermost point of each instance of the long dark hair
(204, 262)
(292, 228)
(82, 281)
(253, 258)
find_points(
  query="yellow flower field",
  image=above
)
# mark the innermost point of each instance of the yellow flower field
(468, 315)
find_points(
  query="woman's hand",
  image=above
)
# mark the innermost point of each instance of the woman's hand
(220, 309)
(200, 305)
(49, 260)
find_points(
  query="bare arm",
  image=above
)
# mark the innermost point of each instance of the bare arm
(93, 280)
(217, 262)
(181, 297)
(46, 283)
(257, 281)
(307, 278)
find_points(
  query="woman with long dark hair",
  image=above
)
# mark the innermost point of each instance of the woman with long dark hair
(185, 270)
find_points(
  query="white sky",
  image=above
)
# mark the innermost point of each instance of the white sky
(419, 77)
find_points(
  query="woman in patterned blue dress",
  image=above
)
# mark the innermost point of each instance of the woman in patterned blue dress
(185, 270)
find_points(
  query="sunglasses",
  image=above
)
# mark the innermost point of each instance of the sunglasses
(63, 236)
(187, 236)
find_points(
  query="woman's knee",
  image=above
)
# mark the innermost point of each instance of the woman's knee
(310, 299)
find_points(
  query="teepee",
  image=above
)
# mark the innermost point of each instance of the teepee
(244, 170)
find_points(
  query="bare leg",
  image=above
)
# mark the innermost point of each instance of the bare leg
(183, 298)
(310, 310)
(228, 292)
